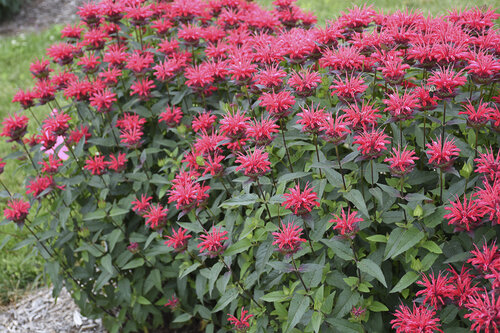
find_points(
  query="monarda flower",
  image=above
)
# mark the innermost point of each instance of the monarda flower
(142, 88)
(203, 122)
(25, 98)
(301, 202)
(17, 210)
(335, 129)
(131, 130)
(401, 162)
(421, 319)
(178, 240)
(311, 119)
(234, 124)
(117, 163)
(212, 242)
(477, 117)
(277, 104)
(482, 67)
(436, 290)
(393, 70)
(401, 107)
(39, 185)
(172, 303)
(141, 206)
(489, 201)
(102, 100)
(288, 238)
(187, 193)
(361, 118)
(350, 89)
(426, 100)
(270, 77)
(465, 216)
(40, 69)
(171, 116)
(262, 131)
(442, 156)
(348, 225)
(484, 259)
(305, 82)
(255, 164)
(240, 325)
(484, 312)
(156, 216)
(57, 123)
(371, 143)
(14, 127)
(463, 285)
(446, 81)
(96, 165)
(488, 164)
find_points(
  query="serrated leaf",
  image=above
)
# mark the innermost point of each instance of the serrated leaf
(316, 320)
(356, 198)
(182, 318)
(291, 176)
(371, 268)
(377, 307)
(377, 239)
(95, 215)
(117, 211)
(405, 281)
(137, 262)
(432, 247)
(298, 306)
(188, 270)
(226, 298)
(401, 240)
(238, 247)
(214, 274)
(340, 249)
(143, 300)
(275, 296)
(113, 237)
(107, 264)
(241, 200)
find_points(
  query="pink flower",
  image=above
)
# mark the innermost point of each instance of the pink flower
(212, 242)
(17, 210)
(172, 303)
(484, 312)
(301, 202)
(421, 319)
(484, 259)
(440, 155)
(14, 127)
(61, 152)
(156, 216)
(288, 238)
(335, 129)
(178, 240)
(401, 161)
(436, 290)
(347, 224)
(371, 144)
(311, 119)
(171, 116)
(464, 215)
(141, 205)
(96, 165)
(255, 164)
(277, 104)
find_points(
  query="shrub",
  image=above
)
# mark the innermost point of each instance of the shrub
(218, 165)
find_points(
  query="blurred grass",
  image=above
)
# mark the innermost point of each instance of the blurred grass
(20, 269)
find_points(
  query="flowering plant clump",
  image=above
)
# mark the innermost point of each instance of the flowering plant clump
(204, 159)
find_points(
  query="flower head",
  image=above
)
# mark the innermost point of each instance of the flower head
(173, 302)
(141, 206)
(311, 119)
(255, 164)
(277, 104)
(446, 80)
(347, 224)
(442, 155)
(421, 319)
(335, 129)
(401, 161)
(464, 215)
(436, 290)
(242, 324)
(484, 312)
(262, 131)
(178, 240)
(171, 116)
(156, 216)
(288, 238)
(14, 127)
(96, 165)
(212, 242)
(301, 202)
(372, 143)
(17, 210)
(117, 163)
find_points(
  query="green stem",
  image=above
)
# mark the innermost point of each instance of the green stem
(340, 166)
(286, 147)
(315, 141)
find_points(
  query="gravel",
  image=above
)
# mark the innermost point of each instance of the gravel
(39, 312)
(39, 14)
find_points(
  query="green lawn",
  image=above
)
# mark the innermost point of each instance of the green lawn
(19, 268)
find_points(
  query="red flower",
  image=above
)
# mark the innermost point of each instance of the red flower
(51, 165)
(442, 155)
(393, 70)
(363, 118)
(166, 69)
(39, 185)
(142, 88)
(335, 129)
(482, 67)
(212, 242)
(17, 210)
(76, 135)
(311, 119)
(203, 121)
(255, 163)
(427, 101)
(483, 260)
(178, 240)
(488, 164)
(234, 125)
(489, 201)
(446, 81)
(242, 324)
(186, 192)
(173, 302)
(57, 123)
(139, 62)
(371, 144)
(199, 77)
(118, 162)
(261, 132)
(436, 290)
(288, 238)
(345, 58)
(96, 165)
(347, 224)
(131, 130)
(485, 312)
(40, 69)
(465, 216)
(15, 127)
(141, 205)
(213, 166)
(420, 319)
(171, 116)
(301, 202)
(401, 161)
(401, 107)
(277, 104)
(477, 118)
(304, 82)
(241, 67)
(270, 77)
(25, 98)
(348, 90)
(462, 284)
(102, 100)
(156, 216)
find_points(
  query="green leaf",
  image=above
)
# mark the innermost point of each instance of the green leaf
(107, 264)
(371, 268)
(275, 296)
(102, 280)
(333, 177)
(340, 249)
(405, 281)
(347, 299)
(188, 270)
(291, 176)
(137, 262)
(214, 274)
(377, 307)
(241, 200)
(117, 211)
(377, 239)
(401, 240)
(182, 318)
(191, 226)
(153, 279)
(316, 320)
(238, 247)
(143, 300)
(344, 326)
(113, 237)
(298, 306)
(356, 198)
(432, 247)
(226, 298)
(95, 215)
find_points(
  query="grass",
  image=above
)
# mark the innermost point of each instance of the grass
(21, 268)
